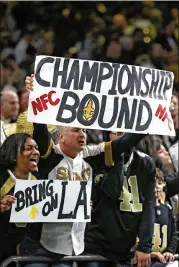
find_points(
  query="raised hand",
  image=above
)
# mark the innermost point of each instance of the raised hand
(142, 259)
(29, 82)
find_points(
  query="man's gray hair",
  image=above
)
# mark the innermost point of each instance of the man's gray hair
(61, 129)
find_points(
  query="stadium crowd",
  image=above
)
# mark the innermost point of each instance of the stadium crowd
(125, 212)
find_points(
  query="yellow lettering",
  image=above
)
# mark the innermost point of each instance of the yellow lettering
(125, 197)
(85, 174)
(130, 201)
(136, 205)
(77, 176)
(164, 243)
(156, 238)
(157, 241)
(63, 174)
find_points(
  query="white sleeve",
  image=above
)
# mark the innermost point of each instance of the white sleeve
(174, 154)
(93, 150)
(57, 149)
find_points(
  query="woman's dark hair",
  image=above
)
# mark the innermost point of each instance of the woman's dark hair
(9, 150)
(147, 146)
(158, 143)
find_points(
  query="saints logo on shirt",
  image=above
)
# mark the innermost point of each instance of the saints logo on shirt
(98, 178)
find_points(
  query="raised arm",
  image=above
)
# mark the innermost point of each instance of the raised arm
(43, 140)
(125, 143)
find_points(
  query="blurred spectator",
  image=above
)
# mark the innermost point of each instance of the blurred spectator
(175, 111)
(157, 56)
(9, 106)
(12, 76)
(144, 61)
(2, 133)
(138, 35)
(6, 81)
(94, 136)
(174, 154)
(24, 126)
(127, 45)
(113, 51)
(167, 38)
(24, 100)
(22, 46)
(28, 64)
(139, 45)
(8, 22)
(47, 45)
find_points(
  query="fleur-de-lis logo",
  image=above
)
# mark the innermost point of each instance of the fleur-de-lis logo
(88, 110)
(33, 212)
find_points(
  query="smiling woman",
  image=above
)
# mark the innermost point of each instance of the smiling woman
(19, 157)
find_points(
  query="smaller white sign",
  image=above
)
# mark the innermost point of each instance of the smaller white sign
(51, 201)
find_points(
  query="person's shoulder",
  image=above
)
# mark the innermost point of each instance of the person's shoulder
(144, 157)
(36, 175)
(4, 175)
(147, 161)
(168, 205)
(141, 154)
(6, 183)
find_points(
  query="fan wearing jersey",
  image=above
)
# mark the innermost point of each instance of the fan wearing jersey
(19, 157)
(165, 231)
(123, 208)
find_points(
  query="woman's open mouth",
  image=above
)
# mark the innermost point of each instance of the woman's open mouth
(34, 161)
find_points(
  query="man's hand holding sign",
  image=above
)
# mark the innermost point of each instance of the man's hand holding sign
(6, 202)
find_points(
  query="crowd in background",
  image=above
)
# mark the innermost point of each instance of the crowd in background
(142, 33)
(134, 33)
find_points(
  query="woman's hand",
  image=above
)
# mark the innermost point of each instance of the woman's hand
(6, 202)
(172, 104)
(29, 82)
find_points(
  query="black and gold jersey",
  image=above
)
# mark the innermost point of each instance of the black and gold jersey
(123, 209)
(165, 231)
